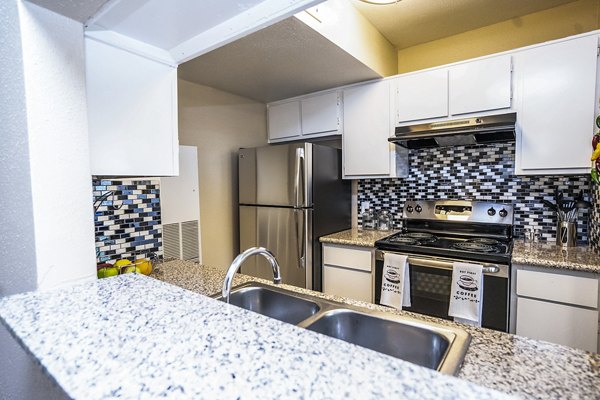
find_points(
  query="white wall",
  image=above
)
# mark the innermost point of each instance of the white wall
(54, 67)
(17, 240)
(46, 216)
(219, 123)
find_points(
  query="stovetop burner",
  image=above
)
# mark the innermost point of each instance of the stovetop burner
(421, 236)
(491, 242)
(478, 247)
(404, 240)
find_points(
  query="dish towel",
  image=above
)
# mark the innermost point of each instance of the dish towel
(466, 296)
(395, 282)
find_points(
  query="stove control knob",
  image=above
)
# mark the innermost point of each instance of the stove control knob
(418, 208)
(491, 212)
(409, 209)
(503, 213)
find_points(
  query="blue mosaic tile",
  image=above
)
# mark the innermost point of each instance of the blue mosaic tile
(131, 217)
(484, 173)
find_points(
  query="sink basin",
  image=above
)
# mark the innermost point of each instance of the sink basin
(416, 344)
(421, 342)
(273, 304)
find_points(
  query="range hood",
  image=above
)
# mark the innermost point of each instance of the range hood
(477, 130)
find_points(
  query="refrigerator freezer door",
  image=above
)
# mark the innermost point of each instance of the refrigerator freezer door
(276, 175)
(286, 232)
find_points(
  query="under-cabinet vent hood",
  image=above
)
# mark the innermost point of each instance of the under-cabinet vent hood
(476, 130)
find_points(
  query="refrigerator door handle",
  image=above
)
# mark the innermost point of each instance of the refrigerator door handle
(300, 235)
(299, 183)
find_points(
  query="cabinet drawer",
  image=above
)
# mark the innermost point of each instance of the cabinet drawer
(347, 257)
(557, 323)
(561, 288)
(348, 283)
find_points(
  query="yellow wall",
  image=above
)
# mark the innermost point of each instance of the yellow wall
(569, 19)
(219, 123)
(342, 24)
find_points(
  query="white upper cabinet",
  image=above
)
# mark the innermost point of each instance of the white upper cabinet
(480, 85)
(132, 113)
(367, 126)
(320, 113)
(305, 117)
(556, 91)
(284, 120)
(422, 95)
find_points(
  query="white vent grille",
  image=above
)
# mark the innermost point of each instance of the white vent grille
(189, 235)
(171, 241)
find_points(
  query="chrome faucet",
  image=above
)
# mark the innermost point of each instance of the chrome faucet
(235, 265)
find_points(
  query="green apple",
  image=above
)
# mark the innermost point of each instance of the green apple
(106, 272)
(131, 269)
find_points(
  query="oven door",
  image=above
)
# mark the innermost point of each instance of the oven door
(430, 281)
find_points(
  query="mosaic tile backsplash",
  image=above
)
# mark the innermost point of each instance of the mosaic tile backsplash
(481, 172)
(127, 222)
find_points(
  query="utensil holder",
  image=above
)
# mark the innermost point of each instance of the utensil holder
(566, 234)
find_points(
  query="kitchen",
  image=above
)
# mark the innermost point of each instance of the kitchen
(76, 149)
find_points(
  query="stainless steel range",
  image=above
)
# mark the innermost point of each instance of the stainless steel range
(439, 233)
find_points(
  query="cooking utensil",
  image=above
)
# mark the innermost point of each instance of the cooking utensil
(549, 204)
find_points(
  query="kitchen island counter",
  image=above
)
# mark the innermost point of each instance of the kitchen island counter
(135, 337)
(547, 254)
(512, 364)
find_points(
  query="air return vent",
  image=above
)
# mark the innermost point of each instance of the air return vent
(180, 240)
(189, 243)
(171, 241)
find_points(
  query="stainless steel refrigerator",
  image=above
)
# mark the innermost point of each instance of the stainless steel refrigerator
(289, 196)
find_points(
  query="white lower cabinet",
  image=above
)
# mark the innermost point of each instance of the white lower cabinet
(557, 306)
(348, 271)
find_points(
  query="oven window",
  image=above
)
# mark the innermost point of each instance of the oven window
(430, 291)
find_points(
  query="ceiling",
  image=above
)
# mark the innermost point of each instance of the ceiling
(284, 60)
(79, 10)
(411, 22)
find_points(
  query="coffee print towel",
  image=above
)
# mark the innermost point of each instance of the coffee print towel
(466, 295)
(395, 282)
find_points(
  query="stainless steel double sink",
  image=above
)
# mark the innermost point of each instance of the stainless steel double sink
(431, 345)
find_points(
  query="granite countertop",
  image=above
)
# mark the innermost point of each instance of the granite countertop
(135, 337)
(546, 254)
(356, 237)
(515, 365)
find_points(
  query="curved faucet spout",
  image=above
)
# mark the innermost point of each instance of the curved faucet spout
(237, 263)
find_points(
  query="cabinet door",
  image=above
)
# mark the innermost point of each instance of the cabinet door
(366, 130)
(480, 85)
(132, 113)
(284, 120)
(320, 113)
(558, 323)
(422, 95)
(556, 101)
(352, 284)
(347, 272)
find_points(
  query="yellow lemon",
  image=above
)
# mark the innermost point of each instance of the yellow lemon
(144, 265)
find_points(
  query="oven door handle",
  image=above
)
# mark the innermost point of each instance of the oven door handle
(444, 264)
(428, 263)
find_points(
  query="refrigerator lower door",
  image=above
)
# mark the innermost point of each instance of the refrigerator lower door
(286, 232)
